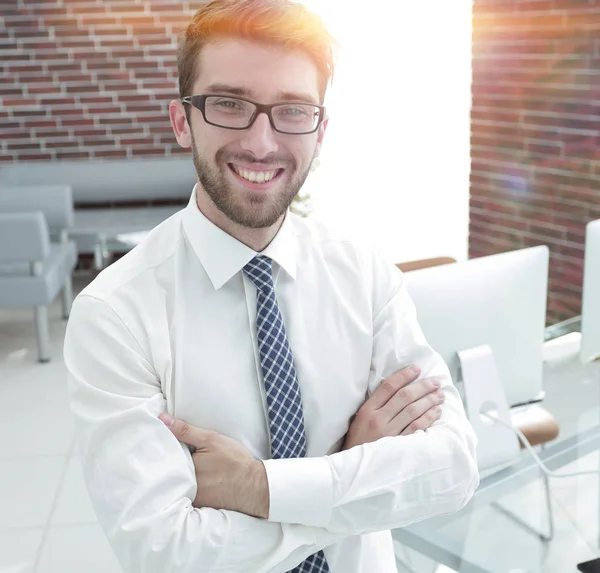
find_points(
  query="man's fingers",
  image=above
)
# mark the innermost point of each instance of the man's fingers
(391, 385)
(415, 410)
(186, 433)
(424, 422)
(408, 396)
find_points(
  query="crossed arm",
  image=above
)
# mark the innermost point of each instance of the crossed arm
(142, 480)
(229, 477)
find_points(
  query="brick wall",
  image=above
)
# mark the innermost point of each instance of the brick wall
(86, 79)
(536, 134)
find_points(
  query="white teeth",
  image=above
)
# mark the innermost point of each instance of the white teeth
(255, 176)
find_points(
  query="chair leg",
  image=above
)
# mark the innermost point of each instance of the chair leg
(543, 536)
(98, 257)
(42, 332)
(67, 297)
(550, 535)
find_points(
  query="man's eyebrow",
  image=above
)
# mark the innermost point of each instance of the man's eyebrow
(245, 92)
(295, 96)
(225, 88)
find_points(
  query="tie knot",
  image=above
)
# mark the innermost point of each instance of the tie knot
(260, 271)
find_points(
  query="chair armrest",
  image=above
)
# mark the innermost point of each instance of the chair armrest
(424, 263)
(24, 237)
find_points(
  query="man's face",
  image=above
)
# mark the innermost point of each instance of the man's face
(225, 158)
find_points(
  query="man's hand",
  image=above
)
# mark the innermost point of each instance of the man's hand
(396, 409)
(227, 475)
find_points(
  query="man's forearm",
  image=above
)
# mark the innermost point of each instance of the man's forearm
(254, 492)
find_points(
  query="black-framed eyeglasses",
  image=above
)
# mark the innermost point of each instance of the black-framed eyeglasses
(297, 118)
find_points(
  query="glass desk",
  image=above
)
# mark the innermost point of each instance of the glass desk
(482, 538)
(107, 231)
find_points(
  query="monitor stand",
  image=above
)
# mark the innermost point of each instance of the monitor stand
(497, 446)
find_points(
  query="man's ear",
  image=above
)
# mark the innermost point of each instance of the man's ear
(179, 122)
(322, 129)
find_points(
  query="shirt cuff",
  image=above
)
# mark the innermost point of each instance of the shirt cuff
(300, 490)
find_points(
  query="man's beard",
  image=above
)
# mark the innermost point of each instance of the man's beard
(246, 211)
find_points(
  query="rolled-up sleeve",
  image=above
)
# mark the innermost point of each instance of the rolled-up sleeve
(394, 481)
(141, 480)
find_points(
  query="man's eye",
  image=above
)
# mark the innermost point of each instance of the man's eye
(296, 111)
(227, 103)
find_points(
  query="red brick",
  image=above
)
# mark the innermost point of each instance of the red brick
(116, 42)
(108, 109)
(89, 132)
(94, 99)
(137, 141)
(116, 120)
(59, 22)
(77, 44)
(124, 6)
(164, 86)
(41, 156)
(30, 113)
(103, 65)
(61, 144)
(143, 151)
(77, 122)
(119, 87)
(71, 32)
(110, 153)
(98, 19)
(59, 100)
(44, 89)
(94, 142)
(7, 135)
(70, 112)
(114, 75)
(78, 89)
(135, 108)
(23, 146)
(109, 31)
(49, 133)
(150, 75)
(64, 67)
(72, 154)
(137, 19)
(158, 40)
(19, 102)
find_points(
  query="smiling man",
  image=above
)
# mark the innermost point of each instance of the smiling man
(241, 381)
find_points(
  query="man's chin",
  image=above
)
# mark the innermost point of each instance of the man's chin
(258, 219)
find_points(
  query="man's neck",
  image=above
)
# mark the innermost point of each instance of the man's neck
(256, 239)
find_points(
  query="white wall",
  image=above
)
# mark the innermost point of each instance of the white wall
(395, 163)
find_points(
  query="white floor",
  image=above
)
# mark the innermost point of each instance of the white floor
(47, 524)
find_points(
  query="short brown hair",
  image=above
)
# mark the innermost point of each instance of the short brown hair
(284, 23)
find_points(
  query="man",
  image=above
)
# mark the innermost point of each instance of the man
(240, 380)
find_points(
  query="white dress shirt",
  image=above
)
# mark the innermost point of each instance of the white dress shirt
(171, 327)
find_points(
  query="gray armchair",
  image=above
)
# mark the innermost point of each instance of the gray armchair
(36, 257)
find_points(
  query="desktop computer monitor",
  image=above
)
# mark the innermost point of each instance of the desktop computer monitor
(499, 301)
(590, 309)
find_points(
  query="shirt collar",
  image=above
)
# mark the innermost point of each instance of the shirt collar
(223, 256)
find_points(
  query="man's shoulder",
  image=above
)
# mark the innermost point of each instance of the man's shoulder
(314, 232)
(332, 242)
(138, 268)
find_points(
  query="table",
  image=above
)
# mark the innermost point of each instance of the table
(481, 539)
(106, 231)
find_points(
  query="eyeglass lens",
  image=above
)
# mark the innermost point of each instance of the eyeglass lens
(233, 112)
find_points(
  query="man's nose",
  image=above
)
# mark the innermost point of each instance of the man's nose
(260, 139)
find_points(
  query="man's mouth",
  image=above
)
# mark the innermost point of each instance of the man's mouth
(254, 176)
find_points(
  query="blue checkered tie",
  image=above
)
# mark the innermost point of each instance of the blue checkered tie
(284, 402)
